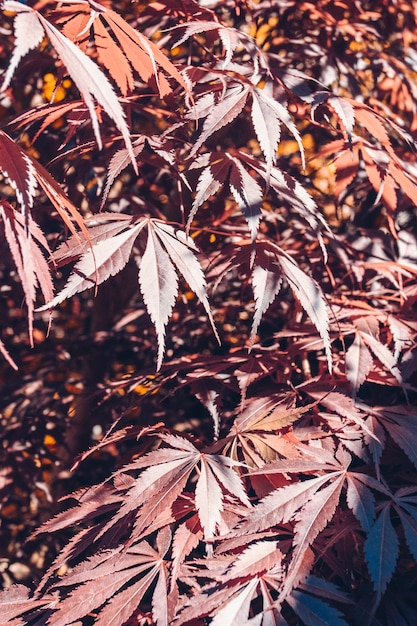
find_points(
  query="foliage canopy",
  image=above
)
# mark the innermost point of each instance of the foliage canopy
(210, 210)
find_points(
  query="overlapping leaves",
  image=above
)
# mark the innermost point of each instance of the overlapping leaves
(108, 250)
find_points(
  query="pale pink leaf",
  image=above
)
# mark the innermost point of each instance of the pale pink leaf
(179, 443)
(100, 227)
(30, 262)
(28, 35)
(230, 40)
(86, 598)
(403, 334)
(258, 557)
(186, 538)
(236, 611)
(300, 200)
(346, 407)
(229, 36)
(267, 127)
(159, 286)
(383, 353)
(181, 249)
(102, 260)
(248, 195)
(208, 500)
(267, 115)
(155, 478)
(210, 603)
(208, 398)
(15, 601)
(158, 486)
(345, 112)
(160, 607)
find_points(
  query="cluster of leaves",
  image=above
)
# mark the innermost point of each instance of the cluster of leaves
(257, 167)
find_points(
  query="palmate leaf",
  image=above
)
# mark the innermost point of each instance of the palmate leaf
(260, 565)
(384, 169)
(289, 190)
(268, 114)
(325, 589)
(107, 250)
(221, 168)
(310, 521)
(258, 434)
(138, 567)
(400, 423)
(274, 263)
(267, 413)
(143, 54)
(89, 79)
(345, 406)
(208, 603)
(359, 357)
(103, 259)
(164, 476)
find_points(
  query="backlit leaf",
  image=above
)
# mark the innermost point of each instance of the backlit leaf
(159, 285)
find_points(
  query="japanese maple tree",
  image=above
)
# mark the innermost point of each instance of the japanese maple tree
(209, 290)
